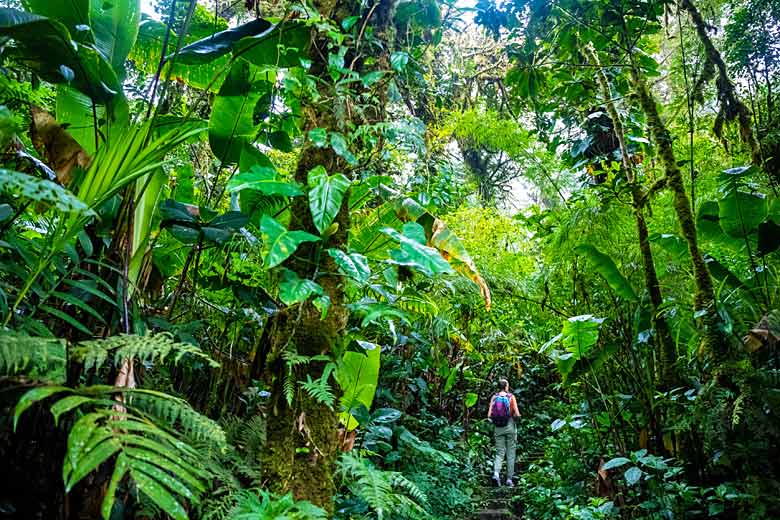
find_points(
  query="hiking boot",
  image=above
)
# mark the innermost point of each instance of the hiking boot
(509, 483)
(496, 481)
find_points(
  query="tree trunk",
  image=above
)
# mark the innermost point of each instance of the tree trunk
(667, 374)
(302, 437)
(714, 344)
(732, 106)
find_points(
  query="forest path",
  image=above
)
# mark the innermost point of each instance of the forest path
(503, 503)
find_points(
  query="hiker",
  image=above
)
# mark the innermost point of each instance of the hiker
(502, 413)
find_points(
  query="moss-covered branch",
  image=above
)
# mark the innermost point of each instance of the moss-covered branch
(731, 107)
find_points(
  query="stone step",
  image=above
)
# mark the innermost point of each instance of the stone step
(495, 514)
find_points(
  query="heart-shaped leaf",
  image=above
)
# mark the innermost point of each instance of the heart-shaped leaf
(278, 242)
(353, 265)
(326, 194)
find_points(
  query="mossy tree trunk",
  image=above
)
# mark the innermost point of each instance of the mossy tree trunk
(302, 441)
(667, 355)
(714, 344)
(731, 106)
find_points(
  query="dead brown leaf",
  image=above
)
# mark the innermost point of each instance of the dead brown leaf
(56, 146)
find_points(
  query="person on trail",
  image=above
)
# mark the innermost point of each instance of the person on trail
(502, 413)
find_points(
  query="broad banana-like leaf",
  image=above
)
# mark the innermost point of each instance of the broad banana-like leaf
(46, 46)
(232, 125)
(219, 44)
(149, 46)
(741, 212)
(110, 27)
(147, 192)
(73, 14)
(605, 266)
(679, 248)
(281, 46)
(708, 221)
(357, 375)
(115, 28)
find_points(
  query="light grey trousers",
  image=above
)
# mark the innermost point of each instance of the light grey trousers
(506, 447)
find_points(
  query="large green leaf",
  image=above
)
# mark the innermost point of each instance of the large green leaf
(111, 27)
(768, 237)
(231, 125)
(73, 14)
(606, 267)
(741, 213)
(675, 245)
(74, 109)
(41, 190)
(279, 243)
(46, 46)
(149, 46)
(357, 375)
(326, 194)
(578, 336)
(147, 193)
(281, 46)
(294, 289)
(211, 47)
(353, 265)
(414, 253)
(265, 180)
(115, 27)
(366, 238)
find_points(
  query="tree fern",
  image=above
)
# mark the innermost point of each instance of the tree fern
(164, 466)
(39, 358)
(388, 494)
(149, 348)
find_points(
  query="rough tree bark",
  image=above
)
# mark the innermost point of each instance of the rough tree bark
(302, 438)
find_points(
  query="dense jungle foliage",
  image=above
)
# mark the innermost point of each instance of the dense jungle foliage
(267, 259)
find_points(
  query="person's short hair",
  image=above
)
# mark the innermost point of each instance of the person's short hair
(503, 384)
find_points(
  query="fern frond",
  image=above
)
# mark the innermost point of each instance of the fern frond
(389, 494)
(177, 414)
(288, 386)
(266, 506)
(320, 388)
(35, 357)
(148, 348)
(163, 466)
